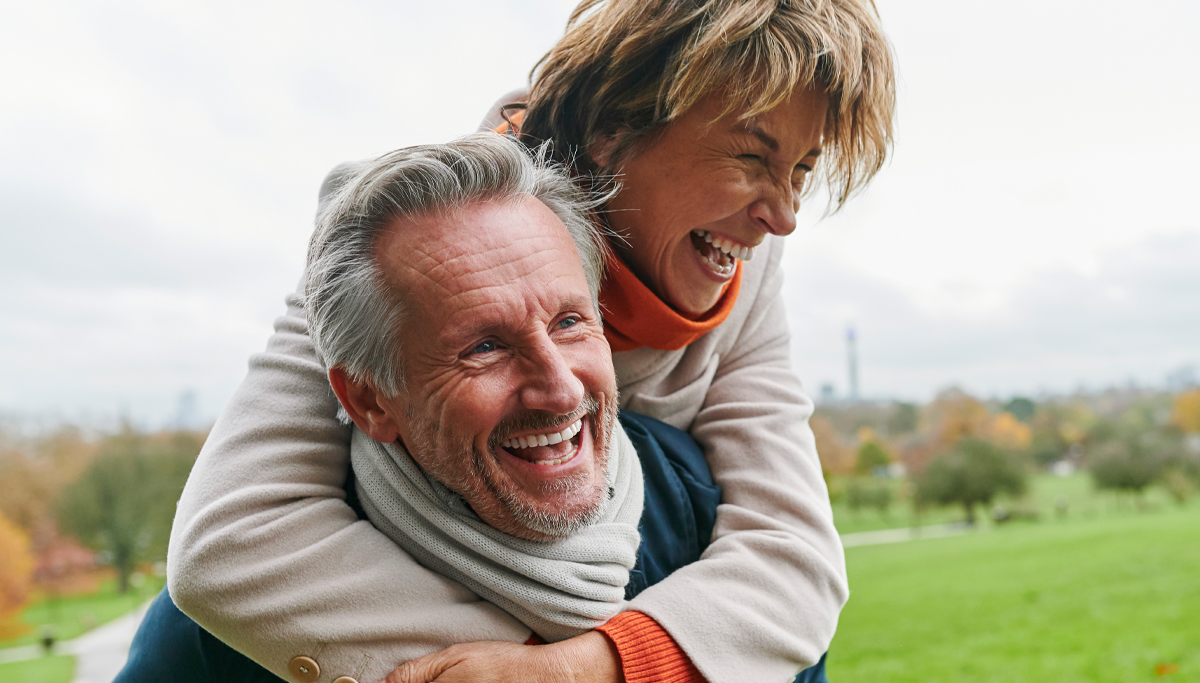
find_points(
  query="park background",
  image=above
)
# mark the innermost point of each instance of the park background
(1022, 280)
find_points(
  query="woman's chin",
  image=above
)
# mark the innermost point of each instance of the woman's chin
(700, 290)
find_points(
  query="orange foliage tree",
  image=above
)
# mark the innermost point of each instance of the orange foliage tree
(1186, 413)
(16, 575)
(836, 457)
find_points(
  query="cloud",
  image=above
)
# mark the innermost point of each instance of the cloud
(1135, 316)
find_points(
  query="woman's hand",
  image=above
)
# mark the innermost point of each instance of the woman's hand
(589, 658)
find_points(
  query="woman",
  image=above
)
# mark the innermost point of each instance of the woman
(716, 114)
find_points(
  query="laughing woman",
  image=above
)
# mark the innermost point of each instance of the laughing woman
(718, 116)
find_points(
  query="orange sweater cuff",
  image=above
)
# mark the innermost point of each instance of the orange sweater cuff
(648, 653)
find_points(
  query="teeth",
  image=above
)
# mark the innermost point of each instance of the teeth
(544, 439)
(727, 247)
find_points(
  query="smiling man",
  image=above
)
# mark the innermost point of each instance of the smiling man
(449, 294)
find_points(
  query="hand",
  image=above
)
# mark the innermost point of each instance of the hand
(589, 658)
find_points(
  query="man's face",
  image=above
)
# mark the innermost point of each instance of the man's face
(502, 347)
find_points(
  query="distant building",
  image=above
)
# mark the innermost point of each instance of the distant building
(828, 393)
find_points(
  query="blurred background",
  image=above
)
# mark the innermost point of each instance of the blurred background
(1003, 329)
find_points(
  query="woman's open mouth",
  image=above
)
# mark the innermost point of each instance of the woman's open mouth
(719, 253)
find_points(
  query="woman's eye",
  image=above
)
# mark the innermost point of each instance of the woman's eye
(484, 347)
(569, 321)
(751, 157)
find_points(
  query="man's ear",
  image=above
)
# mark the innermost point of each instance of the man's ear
(365, 405)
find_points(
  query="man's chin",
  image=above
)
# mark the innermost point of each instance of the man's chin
(550, 500)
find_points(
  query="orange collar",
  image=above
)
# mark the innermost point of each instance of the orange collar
(634, 317)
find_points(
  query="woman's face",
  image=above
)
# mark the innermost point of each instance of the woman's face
(703, 195)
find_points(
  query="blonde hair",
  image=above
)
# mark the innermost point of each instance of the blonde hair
(626, 68)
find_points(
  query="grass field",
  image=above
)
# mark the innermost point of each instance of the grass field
(71, 616)
(1110, 594)
(57, 669)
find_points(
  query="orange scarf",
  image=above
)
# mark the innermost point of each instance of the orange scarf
(634, 317)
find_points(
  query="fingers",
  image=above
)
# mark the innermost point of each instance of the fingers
(420, 670)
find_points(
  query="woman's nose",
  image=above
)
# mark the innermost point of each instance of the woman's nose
(775, 211)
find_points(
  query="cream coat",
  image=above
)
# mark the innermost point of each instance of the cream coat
(267, 556)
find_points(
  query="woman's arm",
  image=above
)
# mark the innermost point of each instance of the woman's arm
(763, 602)
(266, 554)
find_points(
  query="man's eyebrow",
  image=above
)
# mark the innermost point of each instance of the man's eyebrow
(751, 128)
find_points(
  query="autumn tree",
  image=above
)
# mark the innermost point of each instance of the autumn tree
(973, 473)
(836, 457)
(16, 575)
(1186, 411)
(123, 503)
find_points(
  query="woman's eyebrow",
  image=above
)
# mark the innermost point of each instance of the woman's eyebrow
(752, 129)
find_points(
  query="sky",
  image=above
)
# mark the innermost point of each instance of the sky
(1034, 231)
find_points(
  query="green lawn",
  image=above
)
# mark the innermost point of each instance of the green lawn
(1105, 595)
(58, 669)
(73, 615)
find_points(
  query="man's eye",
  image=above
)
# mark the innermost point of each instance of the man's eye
(569, 321)
(751, 157)
(484, 347)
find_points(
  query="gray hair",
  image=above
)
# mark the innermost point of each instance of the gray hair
(353, 314)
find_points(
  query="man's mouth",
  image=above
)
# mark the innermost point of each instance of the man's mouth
(721, 254)
(546, 448)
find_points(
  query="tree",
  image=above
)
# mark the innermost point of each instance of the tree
(1021, 408)
(835, 457)
(16, 575)
(1186, 412)
(903, 419)
(123, 503)
(1132, 460)
(870, 456)
(975, 472)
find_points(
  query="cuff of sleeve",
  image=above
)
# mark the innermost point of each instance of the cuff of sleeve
(648, 653)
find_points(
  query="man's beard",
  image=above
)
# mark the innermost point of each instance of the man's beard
(586, 504)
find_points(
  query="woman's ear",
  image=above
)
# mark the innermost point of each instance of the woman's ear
(602, 150)
(370, 410)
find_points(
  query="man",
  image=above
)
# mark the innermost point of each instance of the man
(462, 333)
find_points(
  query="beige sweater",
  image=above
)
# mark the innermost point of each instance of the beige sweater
(267, 556)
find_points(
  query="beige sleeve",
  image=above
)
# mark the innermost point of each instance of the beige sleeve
(763, 602)
(266, 554)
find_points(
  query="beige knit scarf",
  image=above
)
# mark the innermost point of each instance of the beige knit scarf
(558, 588)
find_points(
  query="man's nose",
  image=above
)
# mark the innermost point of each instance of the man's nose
(549, 383)
(775, 211)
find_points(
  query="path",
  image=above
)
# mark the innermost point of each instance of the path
(907, 534)
(99, 653)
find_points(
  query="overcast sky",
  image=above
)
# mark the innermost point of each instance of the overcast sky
(1036, 229)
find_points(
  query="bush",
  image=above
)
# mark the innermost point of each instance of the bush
(859, 496)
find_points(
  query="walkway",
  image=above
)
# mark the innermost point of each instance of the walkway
(908, 534)
(99, 653)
